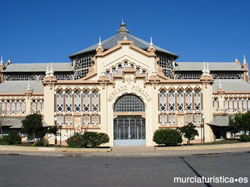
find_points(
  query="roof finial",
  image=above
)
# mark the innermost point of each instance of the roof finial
(100, 41)
(28, 86)
(51, 73)
(125, 37)
(123, 28)
(204, 71)
(1, 60)
(208, 71)
(244, 59)
(151, 42)
(220, 85)
(47, 71)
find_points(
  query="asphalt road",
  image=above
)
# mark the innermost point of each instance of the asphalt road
(120, 171)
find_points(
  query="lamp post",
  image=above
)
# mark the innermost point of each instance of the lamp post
(55, 120)
(60, 127)
(203, 117)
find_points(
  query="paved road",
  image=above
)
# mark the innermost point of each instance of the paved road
(119, 171)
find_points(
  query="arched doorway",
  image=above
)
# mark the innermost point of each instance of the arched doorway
(129, 123)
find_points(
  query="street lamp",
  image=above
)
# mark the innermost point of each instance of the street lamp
(203, 117)
(60, 127)
(55, 123)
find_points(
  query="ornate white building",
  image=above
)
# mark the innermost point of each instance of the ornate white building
(127, 88)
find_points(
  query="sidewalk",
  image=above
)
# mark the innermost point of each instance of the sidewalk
(126, 151)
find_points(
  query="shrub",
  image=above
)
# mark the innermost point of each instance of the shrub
(12, 138)
(88, 139)
(244, 138)
(76, 141)
(42, 142)
(167, 137)
(94, 139)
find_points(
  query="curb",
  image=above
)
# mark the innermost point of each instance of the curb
(205, 147)
(51, 149)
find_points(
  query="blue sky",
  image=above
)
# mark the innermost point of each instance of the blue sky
(196, 30)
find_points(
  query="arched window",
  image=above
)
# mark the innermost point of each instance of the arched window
(180, 100)
(188, 100)
(59, 101)
(86, 101)
(95, 101)
(129, 103)
(163, 100)
(68, 101)
(171, 100)
(197, 100)
(77, 101)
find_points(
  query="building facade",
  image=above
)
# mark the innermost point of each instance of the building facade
(125, 87)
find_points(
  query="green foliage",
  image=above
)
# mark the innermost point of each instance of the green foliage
(94, 139)
(32, 125)
(76, 141)
(239, 122)
(52, 130)
(42, 142)
(88, 139)
(167, 137)
(12, 138)
(189, 132)
(244, 138)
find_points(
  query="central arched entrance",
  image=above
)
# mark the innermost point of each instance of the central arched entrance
(129, 123)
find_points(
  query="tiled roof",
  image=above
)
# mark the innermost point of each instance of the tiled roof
(112, 41)
(38, 67)
(20, 86)
(213, 66)
(232, 85)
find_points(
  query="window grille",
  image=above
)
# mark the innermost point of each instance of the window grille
(197, 118)
(18, 107)
(189, 100)
(3, 107)
(86, 120)
(68, 101)
(163, 100)
(86, 101)
(226, 106)
(216, 103)
(33, 106)
(81, 65)
(77, 101)
(235, 105)
(166, 62)
(230, 104)
(197, 100)
(163, 119)
(59, 101)
(95, 119)
(13, 107)
(171, 118)
(240, 105)
(244, 104)
(60, 120)
(95, 101)
(180, 100)
(23, 106)
(8, 107)
(189, 118)
(68, 120)
(171, 100)
(129, 103)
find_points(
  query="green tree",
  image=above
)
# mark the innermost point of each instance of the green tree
(189, 132)
(239, 122)
(32, 126)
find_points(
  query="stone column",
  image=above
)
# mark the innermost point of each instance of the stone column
(207, 88)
